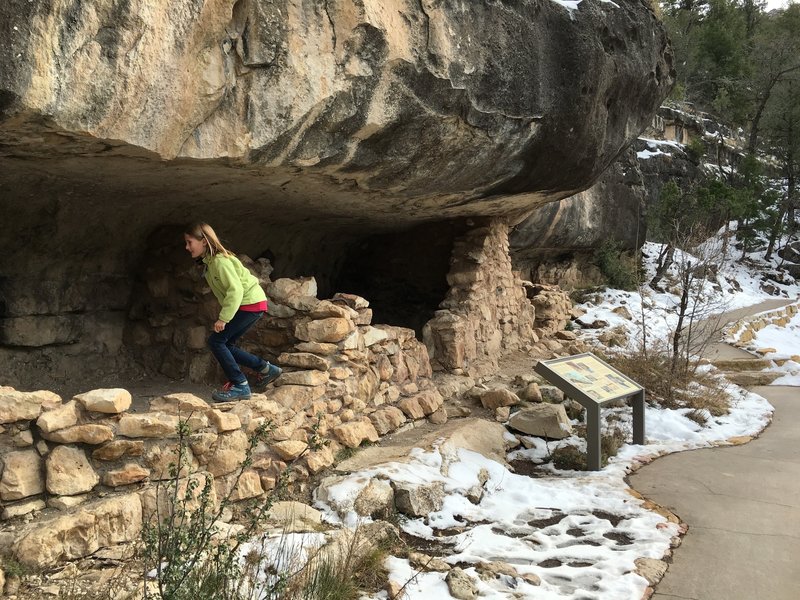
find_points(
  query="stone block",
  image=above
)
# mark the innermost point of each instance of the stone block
(93, 434)
(228, 454)
(331, 330)
(411, 408)
(309, 378)
(109, 401)
(64, 416)
(317, 348)
(387, 419)
(496, 398)
(377, 498)
(118, 449)
(21, 509)
(419, 500)
(224, 421)
(148, 425)
(130, 473)
(351, 434)
(289, 449)
(297, 397)
(69, 472)
(182, 404)
(320, 459)
(303, 360)
(542, 420)
(24, 406)
(22, 475)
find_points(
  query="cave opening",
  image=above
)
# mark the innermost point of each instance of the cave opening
(402, 273)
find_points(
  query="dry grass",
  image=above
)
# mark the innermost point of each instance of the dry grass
(683, 388)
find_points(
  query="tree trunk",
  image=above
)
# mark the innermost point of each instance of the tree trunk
(665, 260)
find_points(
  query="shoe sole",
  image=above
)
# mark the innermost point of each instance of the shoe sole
(262, 385)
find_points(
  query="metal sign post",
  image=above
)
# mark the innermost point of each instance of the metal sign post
(594, 384)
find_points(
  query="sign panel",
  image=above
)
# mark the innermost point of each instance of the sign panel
(591, 376)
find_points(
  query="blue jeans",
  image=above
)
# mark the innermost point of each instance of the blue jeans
(229, 357)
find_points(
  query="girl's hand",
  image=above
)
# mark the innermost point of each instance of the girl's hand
(219, 326)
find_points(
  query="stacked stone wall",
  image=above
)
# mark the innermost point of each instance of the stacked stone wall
(486, 311)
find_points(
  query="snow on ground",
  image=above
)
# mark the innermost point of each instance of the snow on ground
(579, 532)
(785, 341)
(734, 286)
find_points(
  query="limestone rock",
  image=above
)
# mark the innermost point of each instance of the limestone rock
(289, 449)
(181, 404)
(310, 378)
(224, 421)
(130, 473)
(496, 398)
(551, 393)
(331, 330)
(148, 425)
(294, 517)
(109, 401)
(21, 509)
(531, 393)
(23, 406)
(118, 449)
(303, 360)
(461, 585)
(229, 453)
(542, 420)
(423, 562)
(651, 569)
(353, 433)
(247, 486)
(411, 407)
(419, 500)
(92, 433)
(102, 523)
(64, 416)
(387, 419)
(297, 397)
(69, 472)
(320, 459)
(22, 475)
(376, 499)
(317, 348)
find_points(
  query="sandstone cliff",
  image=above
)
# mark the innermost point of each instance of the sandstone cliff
(297, 129)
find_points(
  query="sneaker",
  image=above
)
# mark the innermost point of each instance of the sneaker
(267, 375)
(239, 391)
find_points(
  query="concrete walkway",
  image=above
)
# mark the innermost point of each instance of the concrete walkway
(742, 505)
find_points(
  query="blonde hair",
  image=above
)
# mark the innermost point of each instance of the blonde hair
(203, 231)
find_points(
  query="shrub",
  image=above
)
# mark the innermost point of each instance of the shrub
(620, 270)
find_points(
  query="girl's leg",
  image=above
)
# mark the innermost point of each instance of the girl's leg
(221, 345)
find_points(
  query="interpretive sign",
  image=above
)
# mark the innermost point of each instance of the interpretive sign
(593, 383)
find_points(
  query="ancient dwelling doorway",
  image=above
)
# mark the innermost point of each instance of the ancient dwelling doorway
(403, 274)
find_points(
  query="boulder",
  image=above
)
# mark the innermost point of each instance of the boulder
(331, 330)
(294, 517)
(387, 419)
(496, 398)
(419, 500)
(130, 473)
(542, 420)
(375, 500)
(148, 425)
(99, 524)
(461, 585)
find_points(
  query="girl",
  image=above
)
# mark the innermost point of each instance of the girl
(242, 301)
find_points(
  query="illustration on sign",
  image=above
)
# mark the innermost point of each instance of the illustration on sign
(593, 377)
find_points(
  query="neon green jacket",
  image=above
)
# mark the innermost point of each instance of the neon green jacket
(233, 285)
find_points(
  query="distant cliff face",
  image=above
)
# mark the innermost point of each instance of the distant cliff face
(296, 128)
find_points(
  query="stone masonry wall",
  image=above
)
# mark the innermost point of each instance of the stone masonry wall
(486, 310)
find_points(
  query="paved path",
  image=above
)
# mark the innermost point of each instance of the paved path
(742, 505)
